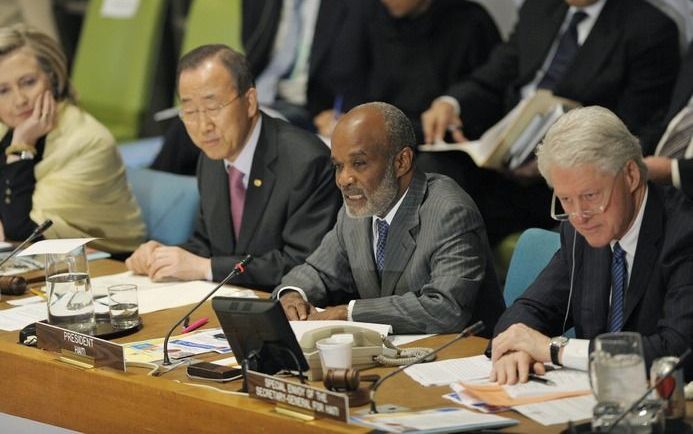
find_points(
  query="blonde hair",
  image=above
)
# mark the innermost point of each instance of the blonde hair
(589, 135)
(49, 56)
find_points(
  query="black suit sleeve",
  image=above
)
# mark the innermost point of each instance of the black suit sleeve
(311, 213)
(543, 305)
(686, 173)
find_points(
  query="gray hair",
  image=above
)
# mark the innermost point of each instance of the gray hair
(49, 55)
(589, 135)
(399, 131)
(234, 62)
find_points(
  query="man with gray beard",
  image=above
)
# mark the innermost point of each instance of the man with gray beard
(408, 249)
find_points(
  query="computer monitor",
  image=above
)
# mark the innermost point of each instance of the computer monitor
(258, 331)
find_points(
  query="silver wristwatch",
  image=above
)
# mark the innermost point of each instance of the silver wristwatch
(555, 346)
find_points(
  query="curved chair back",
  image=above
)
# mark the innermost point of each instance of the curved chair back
(169, 203)
(115, 61)
(533, 251)
(213, 22)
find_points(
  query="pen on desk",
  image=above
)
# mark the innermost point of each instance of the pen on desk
(542, 380)
(196, 325)
(38, 292)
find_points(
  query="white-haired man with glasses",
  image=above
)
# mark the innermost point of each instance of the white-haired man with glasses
(625, 261)
(265, 186)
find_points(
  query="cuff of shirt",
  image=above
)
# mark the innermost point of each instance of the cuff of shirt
(350, 310)
(292, 288)
(450, 100)
(675, 174)
(210, 276)
(576, 354)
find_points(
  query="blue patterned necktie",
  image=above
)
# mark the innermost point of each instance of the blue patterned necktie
(619, 274)
(567, 48)
(380, 248)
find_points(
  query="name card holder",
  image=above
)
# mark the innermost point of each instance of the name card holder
(80, 349)
(298, 400)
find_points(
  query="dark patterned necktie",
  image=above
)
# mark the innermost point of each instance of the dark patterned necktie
(567, 48)
(383, 227)
(619, 274)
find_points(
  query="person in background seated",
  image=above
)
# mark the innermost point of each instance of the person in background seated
(409, 249)
(265, 186)
(619, 54)
(416, 49)
(625, 261)
(673, 135)
(56, 161)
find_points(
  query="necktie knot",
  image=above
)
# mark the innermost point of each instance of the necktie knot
(382, 228)
(619, 253)
(577, 19)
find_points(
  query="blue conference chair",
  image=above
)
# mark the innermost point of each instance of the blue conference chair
(533, 251)
(169, 203)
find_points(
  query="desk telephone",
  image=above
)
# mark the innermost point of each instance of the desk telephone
(370, 349)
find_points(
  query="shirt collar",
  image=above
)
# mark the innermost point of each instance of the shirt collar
(244, 161)
(391, 214)
(629, 240)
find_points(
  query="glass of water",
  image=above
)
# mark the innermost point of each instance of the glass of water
(70, 298)
(617, 376)
(123, 306)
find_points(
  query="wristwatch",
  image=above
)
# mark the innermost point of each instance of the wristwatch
(555, 346)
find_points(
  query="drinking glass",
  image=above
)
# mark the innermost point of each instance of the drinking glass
(617, 376)
(70, 298)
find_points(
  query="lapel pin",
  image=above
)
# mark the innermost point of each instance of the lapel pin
(257, 182)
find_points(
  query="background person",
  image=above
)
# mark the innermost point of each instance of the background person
(56, 161)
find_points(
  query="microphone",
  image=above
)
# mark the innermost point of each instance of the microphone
(237, 269)
(469, 331)
(16, 285)
(649, 390)
(36, 232)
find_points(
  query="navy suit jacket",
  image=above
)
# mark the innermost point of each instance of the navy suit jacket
(659, 298)
(628, 64)
(291, 202)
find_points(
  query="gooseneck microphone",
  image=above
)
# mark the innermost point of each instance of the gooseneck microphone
(16, 285)
(237, 269)
(649, 390)
(469, 331)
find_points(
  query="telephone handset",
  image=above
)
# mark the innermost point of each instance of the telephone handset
(370, 349)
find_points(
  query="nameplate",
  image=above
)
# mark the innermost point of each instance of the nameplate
(319, 401)
(80, 349)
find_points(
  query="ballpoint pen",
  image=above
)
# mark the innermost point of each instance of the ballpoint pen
(542, 380)
(196, 325)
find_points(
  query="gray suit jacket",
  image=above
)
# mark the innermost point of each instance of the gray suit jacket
(438, 274)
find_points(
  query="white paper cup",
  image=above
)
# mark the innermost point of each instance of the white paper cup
(335, 353)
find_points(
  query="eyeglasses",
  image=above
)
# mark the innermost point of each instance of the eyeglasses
(190, 116)
(590, 204)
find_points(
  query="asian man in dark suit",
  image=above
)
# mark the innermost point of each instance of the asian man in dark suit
(625, 261)
(409, 249)
(619, 54)
(265, 186)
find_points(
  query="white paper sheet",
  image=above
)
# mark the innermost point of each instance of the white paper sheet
(565, 380)
(559, 410)
(399, 340)
(450, 371)
(18, 317)
(54, 246)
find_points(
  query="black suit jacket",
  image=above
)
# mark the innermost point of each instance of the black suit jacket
(291, 202)
(659, 298)
(683, 89)
(336, 59)
(628, 64)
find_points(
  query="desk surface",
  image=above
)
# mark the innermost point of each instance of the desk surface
(37, 386)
